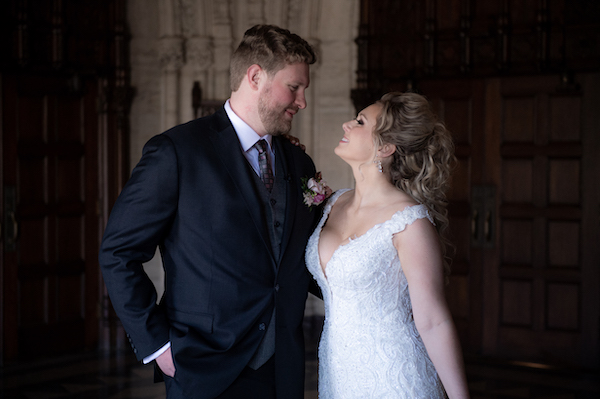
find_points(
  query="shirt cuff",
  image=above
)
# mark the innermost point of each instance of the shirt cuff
(156, 354)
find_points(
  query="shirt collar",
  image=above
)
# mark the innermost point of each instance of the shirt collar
(246, 135)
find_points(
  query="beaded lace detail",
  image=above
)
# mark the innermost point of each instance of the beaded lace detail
(370, 347)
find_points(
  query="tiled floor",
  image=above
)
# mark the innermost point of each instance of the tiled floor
(119, 376)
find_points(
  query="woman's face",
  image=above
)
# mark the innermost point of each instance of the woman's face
(357, 143)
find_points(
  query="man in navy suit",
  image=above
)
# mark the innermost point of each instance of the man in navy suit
(227, 212)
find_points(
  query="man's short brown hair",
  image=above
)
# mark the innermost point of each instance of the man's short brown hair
(270, 47)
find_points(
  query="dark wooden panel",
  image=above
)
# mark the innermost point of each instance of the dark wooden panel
(457, 114)
(519, 119)
(70, 243)
(563, 306)
(517, 242)
(32, 180)
(564, 178)
(71, 298)
(65, 119)
(563, 126)
(517, 180)
(30, 116)
(33, 307)
(459, 299)
(460, 189)
(563, 244)
(460, 231)
(34, 232)
(448, 14)
(69, 179)
(517, 303)
(524, 12)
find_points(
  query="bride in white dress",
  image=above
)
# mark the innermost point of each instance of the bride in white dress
(378, 255)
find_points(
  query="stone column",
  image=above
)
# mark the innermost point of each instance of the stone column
(200, 57)
(171, 58)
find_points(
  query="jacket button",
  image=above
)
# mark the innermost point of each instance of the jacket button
(277, 224)
(273, 201)
(262, 327)
(277, 288)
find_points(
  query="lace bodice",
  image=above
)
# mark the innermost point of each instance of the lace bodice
(370, 347)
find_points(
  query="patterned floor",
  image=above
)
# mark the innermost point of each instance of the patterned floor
(120, 376)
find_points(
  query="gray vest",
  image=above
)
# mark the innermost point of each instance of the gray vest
(274, 204)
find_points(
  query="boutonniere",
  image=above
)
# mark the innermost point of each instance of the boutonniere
(315, 190)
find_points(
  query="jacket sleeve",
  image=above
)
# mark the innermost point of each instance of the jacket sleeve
(139, 221)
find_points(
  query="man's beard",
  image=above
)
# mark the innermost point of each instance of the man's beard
(273, 118)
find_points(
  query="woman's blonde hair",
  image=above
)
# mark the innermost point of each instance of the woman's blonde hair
(424, 155)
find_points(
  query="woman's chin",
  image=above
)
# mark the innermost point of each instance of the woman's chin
(339, 151)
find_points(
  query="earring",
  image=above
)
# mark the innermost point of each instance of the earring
(379, 167)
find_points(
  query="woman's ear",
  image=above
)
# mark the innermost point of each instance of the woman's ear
(386, 150)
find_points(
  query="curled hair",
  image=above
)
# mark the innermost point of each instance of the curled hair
(270, 47)
(424, 155)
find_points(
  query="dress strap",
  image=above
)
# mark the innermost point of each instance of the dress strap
(407, 216)
(332, 200)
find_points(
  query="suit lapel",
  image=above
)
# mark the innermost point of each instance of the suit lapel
(287, 160)
(227, 146)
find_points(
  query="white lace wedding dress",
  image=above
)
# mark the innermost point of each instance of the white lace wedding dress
(370, 347)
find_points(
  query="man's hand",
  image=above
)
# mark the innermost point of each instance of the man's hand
(165, 362)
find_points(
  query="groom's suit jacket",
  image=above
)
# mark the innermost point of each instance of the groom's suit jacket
(194, 196)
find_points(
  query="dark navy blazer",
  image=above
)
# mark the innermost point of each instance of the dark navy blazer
(193, 195)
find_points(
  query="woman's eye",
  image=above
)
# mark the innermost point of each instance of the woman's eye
(358, 121)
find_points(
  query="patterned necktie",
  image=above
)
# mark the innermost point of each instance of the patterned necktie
(264, 165)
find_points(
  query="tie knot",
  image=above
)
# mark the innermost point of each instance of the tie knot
(261, 146)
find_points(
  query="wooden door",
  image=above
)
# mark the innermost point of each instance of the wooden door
(541, 280)
(524, 209)
(460, 103)
(50, 190)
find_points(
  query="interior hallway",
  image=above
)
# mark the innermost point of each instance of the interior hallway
(120, 376)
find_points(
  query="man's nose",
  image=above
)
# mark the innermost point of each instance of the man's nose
(301, 100)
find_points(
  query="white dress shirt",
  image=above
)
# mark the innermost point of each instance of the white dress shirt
(248, 137)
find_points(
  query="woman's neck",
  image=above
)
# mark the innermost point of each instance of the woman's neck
(372, 188)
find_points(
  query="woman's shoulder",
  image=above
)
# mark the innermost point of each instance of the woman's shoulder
(399, 202)
(406, 211)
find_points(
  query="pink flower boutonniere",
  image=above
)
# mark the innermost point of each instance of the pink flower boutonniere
(315, 190)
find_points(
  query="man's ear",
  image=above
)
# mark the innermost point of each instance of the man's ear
(254, 74)
(386, 150)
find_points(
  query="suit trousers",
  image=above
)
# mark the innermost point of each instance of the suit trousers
(253, 384)
(250, 384)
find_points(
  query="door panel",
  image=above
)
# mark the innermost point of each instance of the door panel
(460, 104)
(51, 153)
(538, 272)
